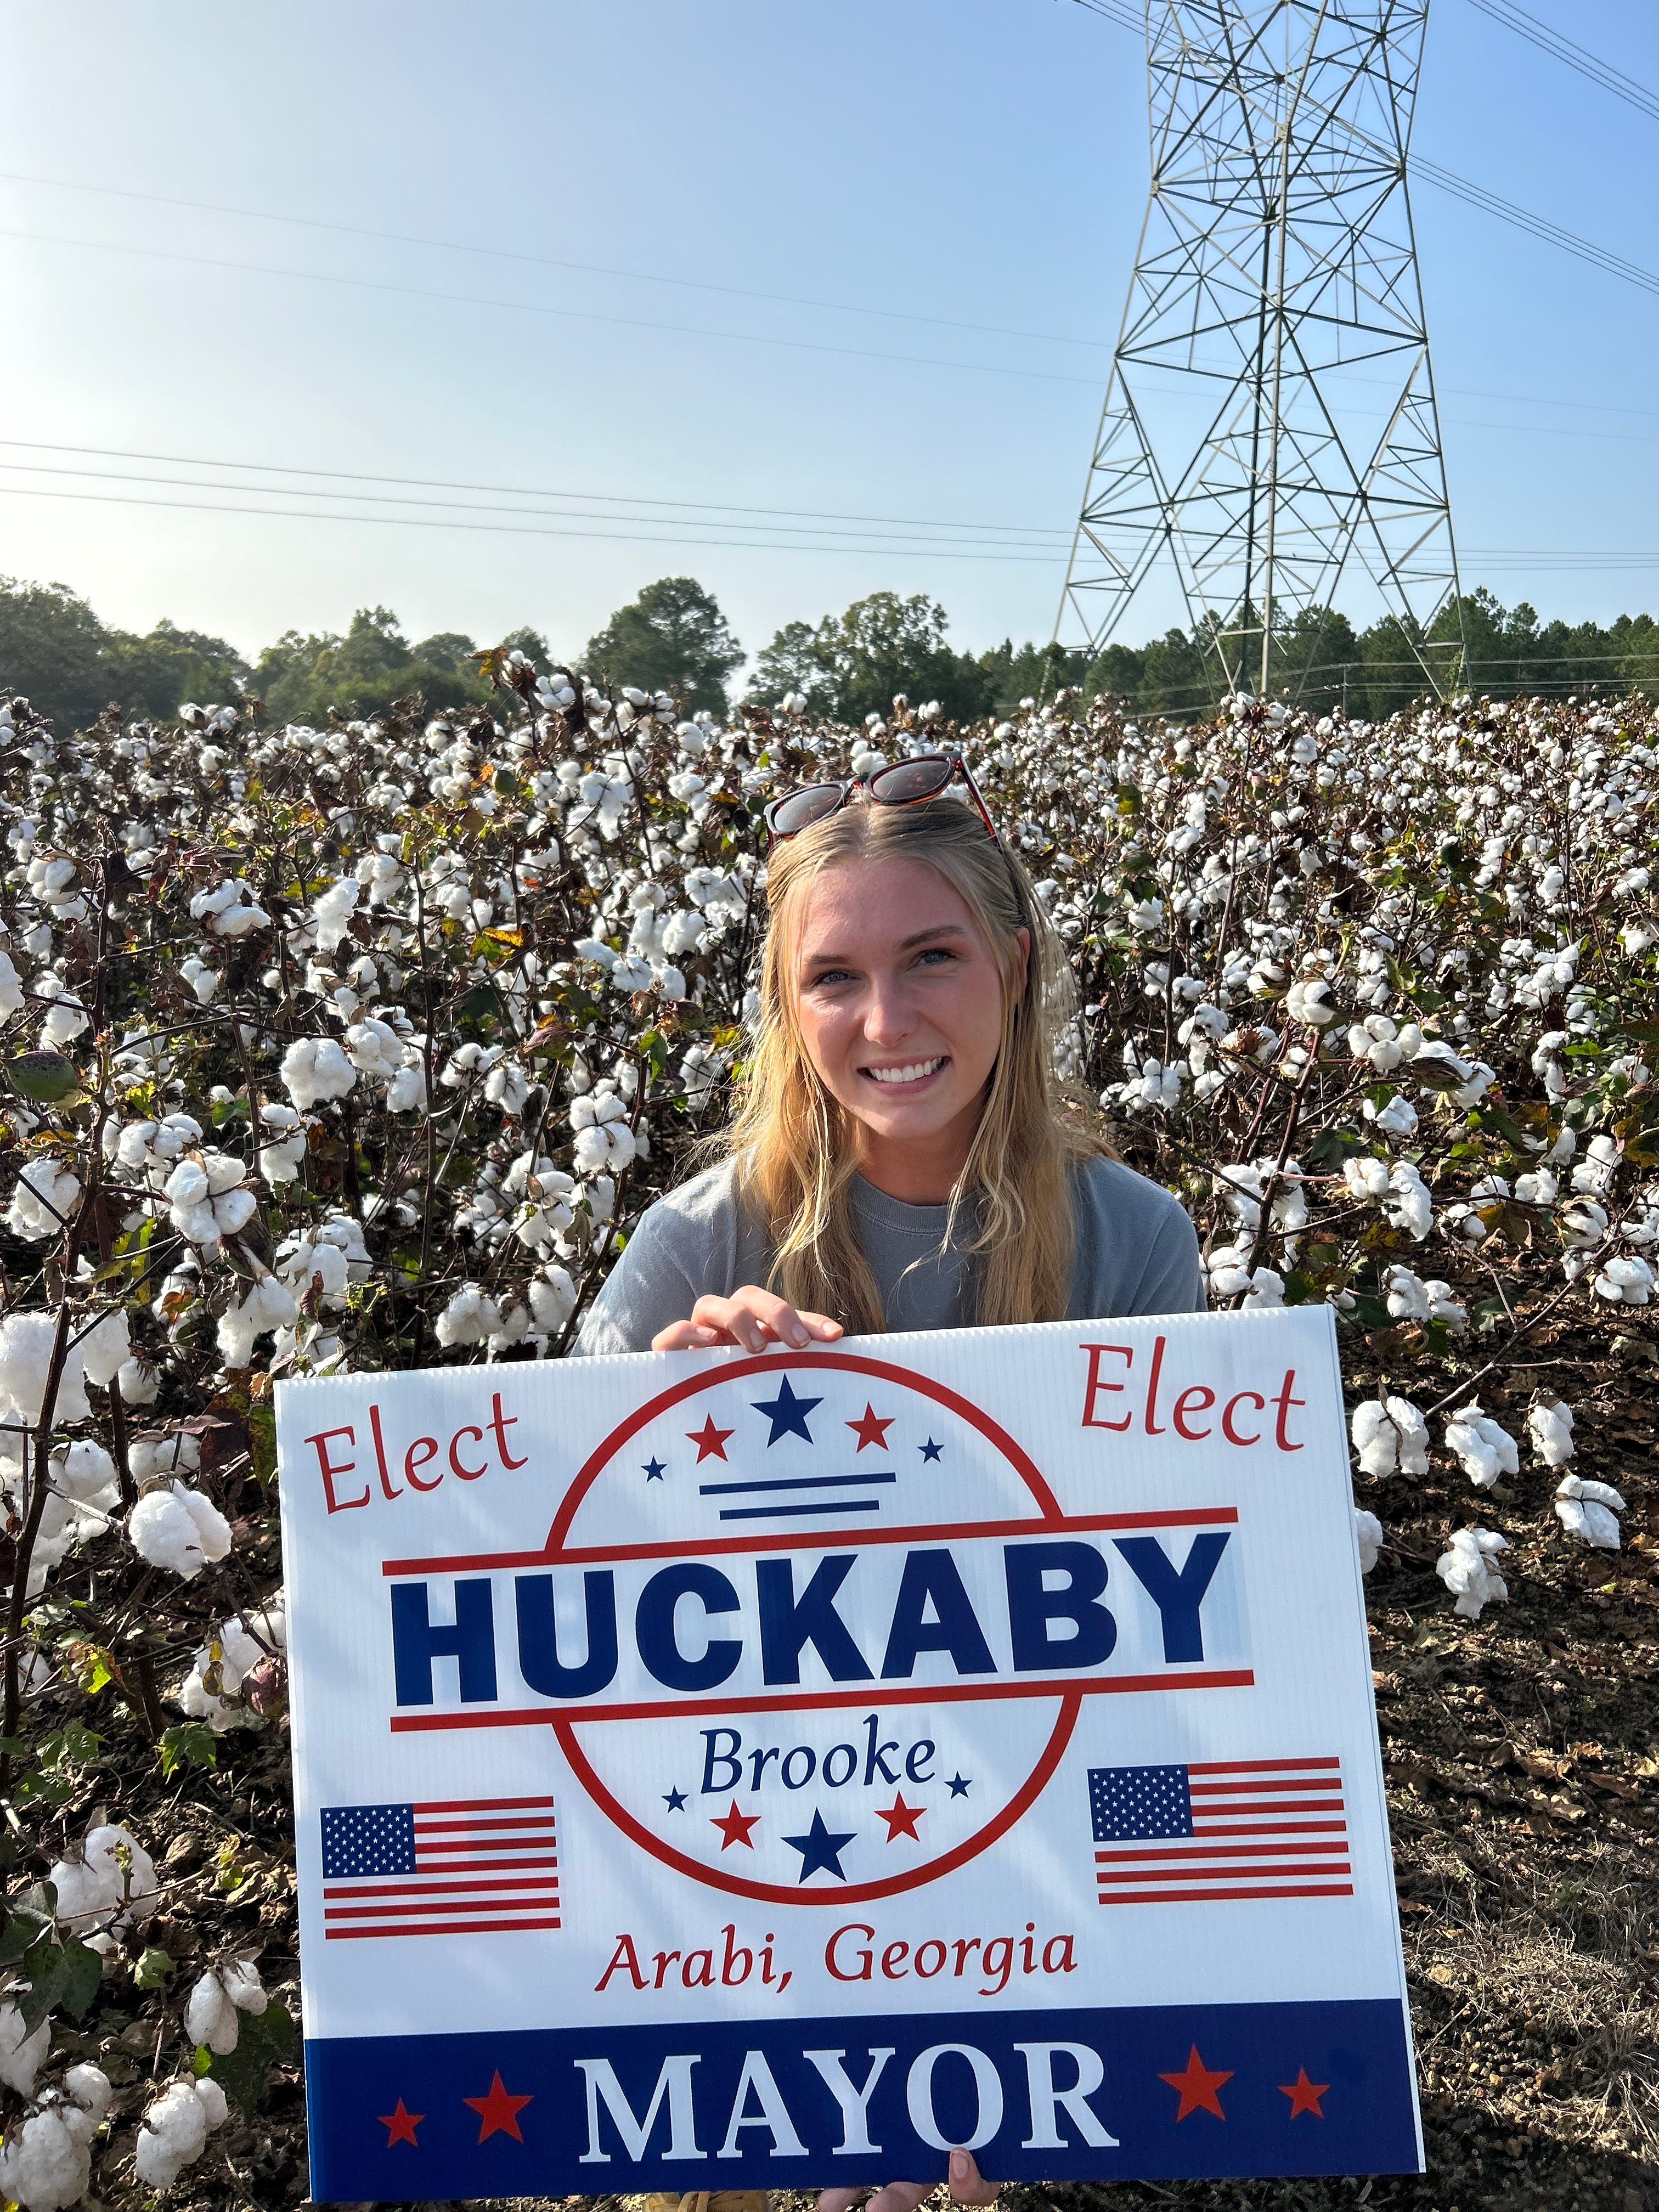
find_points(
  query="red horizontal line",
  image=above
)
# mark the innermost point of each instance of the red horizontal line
(481, 1865)
(1260, 1789)
(1273, 1827)
(471, 1827)
(1216, 1874)
(1281, 1805)
(1187, 1851)
(815, 1540)
(456, 1928)
(873, 1694)
(436, 1888)
(1255, 1766)
(458, 1910)
(483, 1805)
(1212, 1896)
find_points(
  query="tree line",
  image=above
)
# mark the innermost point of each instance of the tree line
(55, 650)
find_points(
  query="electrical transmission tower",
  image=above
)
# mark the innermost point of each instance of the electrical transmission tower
(1270, 422)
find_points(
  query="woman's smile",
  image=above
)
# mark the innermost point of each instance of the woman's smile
(910, 1078)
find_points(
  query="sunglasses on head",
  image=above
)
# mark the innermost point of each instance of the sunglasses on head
(901, 783)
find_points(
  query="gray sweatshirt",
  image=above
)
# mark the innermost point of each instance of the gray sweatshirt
(1135, 1252)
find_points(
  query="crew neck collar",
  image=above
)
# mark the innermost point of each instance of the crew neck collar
(896, 1213)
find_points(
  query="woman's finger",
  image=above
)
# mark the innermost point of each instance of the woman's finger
(685, 1336)
(900, 2197)
(838, 2200)
(968, 2185)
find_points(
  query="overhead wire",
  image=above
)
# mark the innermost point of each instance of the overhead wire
(1557, 44)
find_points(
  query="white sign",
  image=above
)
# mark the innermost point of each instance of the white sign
(715, 1771)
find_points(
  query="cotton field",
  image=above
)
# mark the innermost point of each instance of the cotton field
(363, 1047)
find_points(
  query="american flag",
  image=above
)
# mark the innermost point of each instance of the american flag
(1219, 1828)
(468, 1866)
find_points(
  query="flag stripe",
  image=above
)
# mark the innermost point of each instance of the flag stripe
(1221, 1851)
(1261, 1766)
(429, 1827)
(1209, 1896)
(459, 1909)
(1264, 1786)
(444, 1888)
(458, 1928)
(483, 1805)
(1222, 1874)
(1273, 1827)
(426, 1865)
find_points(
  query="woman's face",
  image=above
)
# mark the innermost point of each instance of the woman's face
(899, 1000)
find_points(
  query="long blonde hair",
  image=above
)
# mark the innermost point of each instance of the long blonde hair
(798, 1150)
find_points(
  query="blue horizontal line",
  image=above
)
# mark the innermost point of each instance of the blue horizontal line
(793, 1482)
(782, 1512)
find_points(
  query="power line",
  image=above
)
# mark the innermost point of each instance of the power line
(503, 529)
(1564, 49)
(519, 491)
(548, 260)
(535, 307)
(477, 507)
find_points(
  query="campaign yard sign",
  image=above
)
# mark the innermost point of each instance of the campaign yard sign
(726, 1772)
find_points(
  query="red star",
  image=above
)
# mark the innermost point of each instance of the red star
(400, 2125)
(870, 1431)
(1305, 2095)
(734, 1827)
(498, 2112)
(709, 1441)
(1198, 2087)
(900, 1818)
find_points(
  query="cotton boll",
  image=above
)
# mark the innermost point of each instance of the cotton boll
(1413, 1209)
(1627, 1282)
(1469, 1573)
(1484, 1448)
(210, 2017)
(469, 1318)
(1407, 1295)
(105, 1349)
(1368, 1534)
(243, 1987)
(45, 2165)
(83, 1470)
(216, 2110)
(1590, 1510)
(174, 2133)
(314, 1069)
(178, 1529)
(42, 1201)
(1367, 1178)
(25, 1342)
(22, 2056)
(1267, 1290)
(138, 1383)
(1551, 1425)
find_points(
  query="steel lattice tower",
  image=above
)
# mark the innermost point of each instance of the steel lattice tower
(1270, 420)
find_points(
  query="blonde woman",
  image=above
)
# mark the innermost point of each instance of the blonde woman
(898, 1162)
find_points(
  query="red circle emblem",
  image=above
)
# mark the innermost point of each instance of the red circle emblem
(804, 1553)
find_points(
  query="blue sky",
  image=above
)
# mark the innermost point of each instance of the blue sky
(912, 165)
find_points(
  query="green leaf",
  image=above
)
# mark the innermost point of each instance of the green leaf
(189, 1741)
(72, 1744)
(13, 1746)
(267, 2039)
(153, 1969)
(48, 1972)
(21, 1931)
(83, 1970)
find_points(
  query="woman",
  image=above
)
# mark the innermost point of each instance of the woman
(898, 1162)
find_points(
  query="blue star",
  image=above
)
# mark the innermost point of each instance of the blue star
(786, 1412)
(958, 1787)
(930, 1449)
(653, 1469)
(818, 1847)
(675, 1800)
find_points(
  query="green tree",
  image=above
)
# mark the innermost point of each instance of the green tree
(301, 679)
(1031, 671)
(1174, 676)
(855, 664)
(672, 638)
(445, 648)
(51, 644)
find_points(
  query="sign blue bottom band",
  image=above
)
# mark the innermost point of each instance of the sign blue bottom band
(1187, 2092)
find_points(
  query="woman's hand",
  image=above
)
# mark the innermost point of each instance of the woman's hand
(967, 2187)
(752, 1317)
